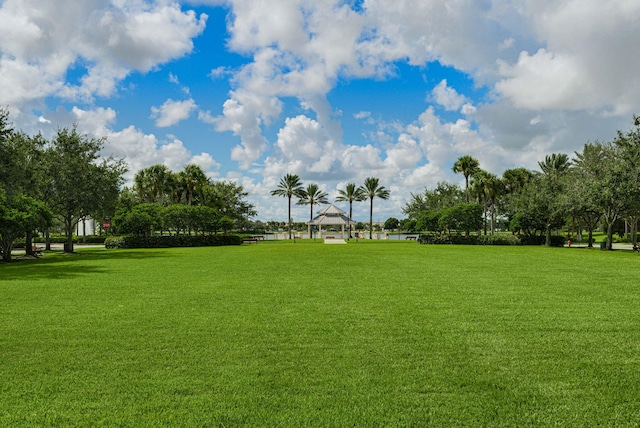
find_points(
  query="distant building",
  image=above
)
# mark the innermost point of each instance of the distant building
(86, 227)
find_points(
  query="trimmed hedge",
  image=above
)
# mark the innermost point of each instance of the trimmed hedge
(171, 241)
(556, 241)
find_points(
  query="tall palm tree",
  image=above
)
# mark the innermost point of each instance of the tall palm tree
(350, 194)
(143, 186)
(554, 168)
(555, 165)
(193, 179)
(494, 188)
(370, 190)
(159, 177)
(311, 196)
(290, 185)
(467, 165)
(479, 183)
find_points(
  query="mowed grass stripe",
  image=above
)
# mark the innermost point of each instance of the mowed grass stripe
(282, 334)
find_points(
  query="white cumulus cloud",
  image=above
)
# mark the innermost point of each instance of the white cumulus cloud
(172, 112)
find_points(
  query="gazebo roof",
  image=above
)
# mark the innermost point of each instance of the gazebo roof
(331, 215)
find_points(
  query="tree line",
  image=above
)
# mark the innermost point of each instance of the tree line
(599, 185)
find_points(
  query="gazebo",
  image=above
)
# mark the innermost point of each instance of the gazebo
(331, 216)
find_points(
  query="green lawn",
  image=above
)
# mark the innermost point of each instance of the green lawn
(282, 334)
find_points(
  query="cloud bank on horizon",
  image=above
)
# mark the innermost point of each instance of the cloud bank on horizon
(334, 91)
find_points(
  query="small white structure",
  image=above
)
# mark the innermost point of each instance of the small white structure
(86, 226)
(331, 216)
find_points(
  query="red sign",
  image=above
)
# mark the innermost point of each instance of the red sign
(106, 225)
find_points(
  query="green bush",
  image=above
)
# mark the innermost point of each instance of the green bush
(114, 242)
(448, 239)
(556, 241)
(498, 240)
(172, 241)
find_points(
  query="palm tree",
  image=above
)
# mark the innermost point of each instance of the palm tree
(143, 187)
(159, 177)
(467, 165)
(370, 190)
(290, 185)
(310, 196)
(350, 194)
(554, 168)
(479, 184)
(193, 179)
(555, 165)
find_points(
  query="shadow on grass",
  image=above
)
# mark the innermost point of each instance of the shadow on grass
(60, 265)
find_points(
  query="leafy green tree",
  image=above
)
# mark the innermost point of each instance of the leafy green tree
(17, 216)
(350, 194)
(140, 219)
(229, 199)
(371, 189)
(539, 207)
(467, 165)
(514, 180)
(584, 186)
(463, 217)
(444, 195)
(78, 181)
(289, 186)
(391, 223)
(176, 217)
(311, 196)
(429, 220)
(23, 160)
(205, 219)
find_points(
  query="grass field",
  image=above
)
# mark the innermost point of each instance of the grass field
(281, 334)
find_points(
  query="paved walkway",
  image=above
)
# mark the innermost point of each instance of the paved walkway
(335, 241)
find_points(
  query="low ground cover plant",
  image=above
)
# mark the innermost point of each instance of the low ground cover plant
(306, 334)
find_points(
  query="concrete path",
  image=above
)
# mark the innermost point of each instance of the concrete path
(335, 241)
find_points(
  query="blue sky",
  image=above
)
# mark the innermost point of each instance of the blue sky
(333, 91)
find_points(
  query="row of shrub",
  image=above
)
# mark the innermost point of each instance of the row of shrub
(171, 241)
(556, 241)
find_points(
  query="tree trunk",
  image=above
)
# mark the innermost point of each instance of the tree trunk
(610, 235)
(68, 223)
(548, 236)
(47, 240)
(28, 244)
(289, 217)
(371, 219)
(7, 246)
(350, 216)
